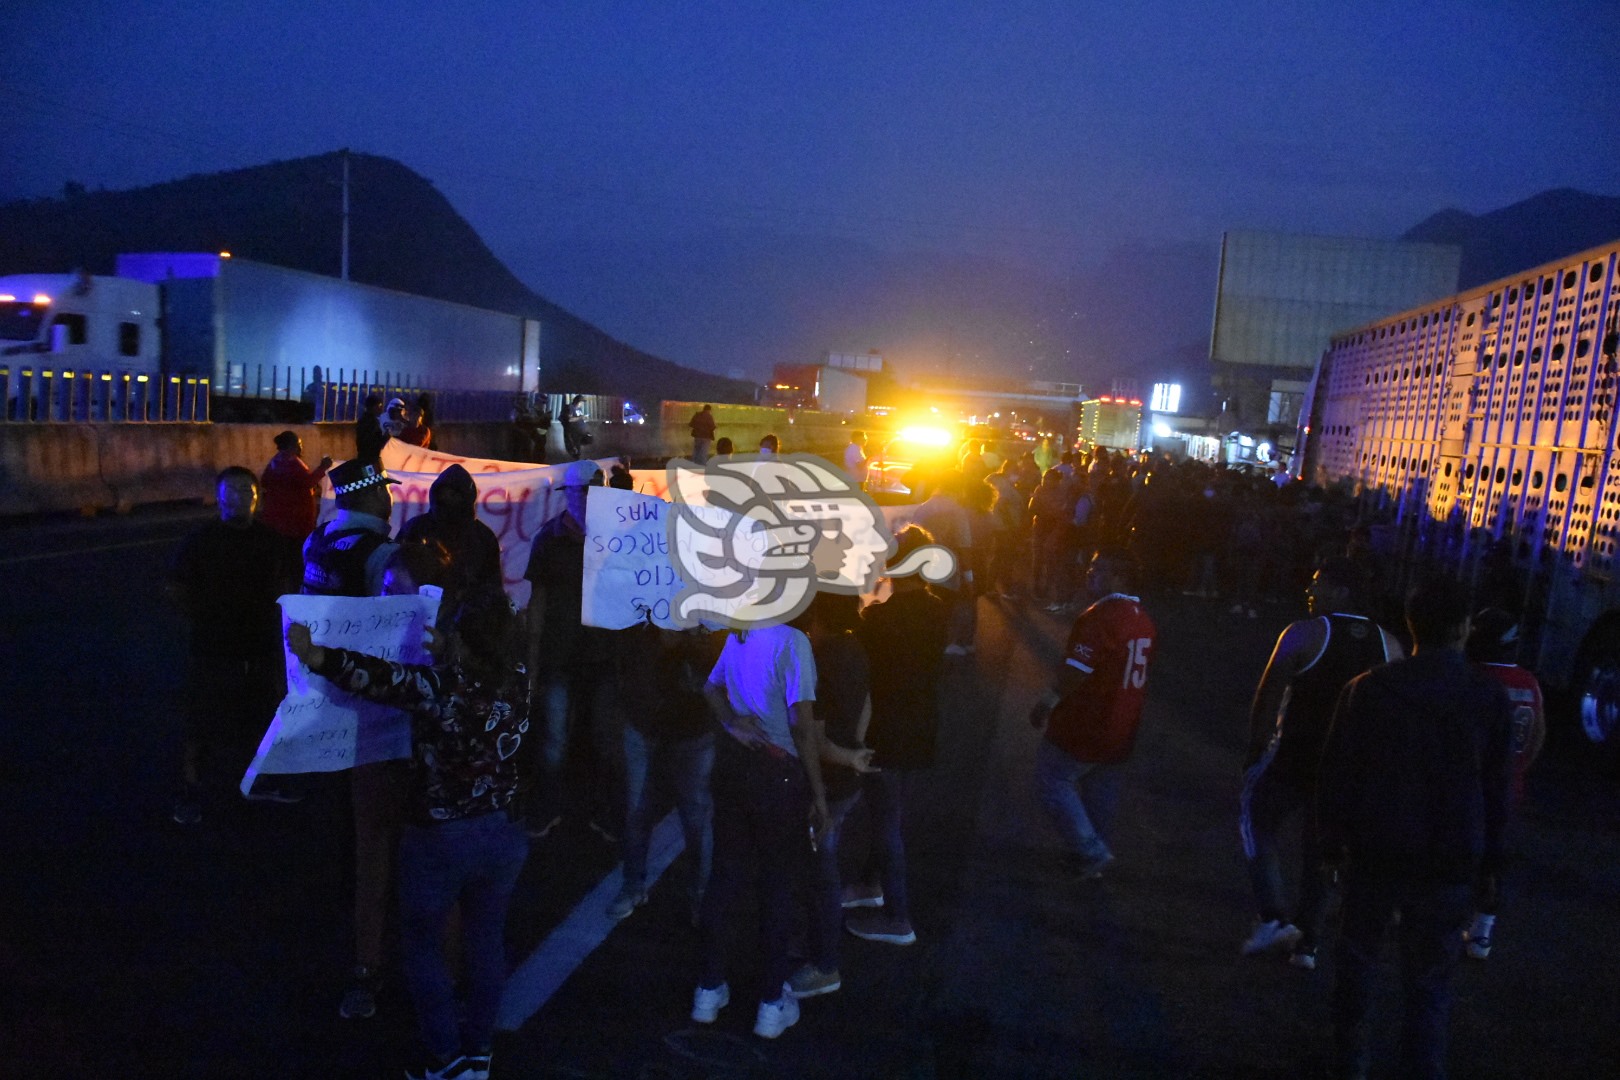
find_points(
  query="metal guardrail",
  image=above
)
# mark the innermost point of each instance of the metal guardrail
(41, 394)
(38, 393)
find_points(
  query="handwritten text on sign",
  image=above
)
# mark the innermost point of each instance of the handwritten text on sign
(319, 728)
(628, 571)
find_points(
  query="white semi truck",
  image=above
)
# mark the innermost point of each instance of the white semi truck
(1484, 425)
(180, 333)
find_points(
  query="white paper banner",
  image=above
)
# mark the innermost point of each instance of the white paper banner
(319, 728)
(514, 499)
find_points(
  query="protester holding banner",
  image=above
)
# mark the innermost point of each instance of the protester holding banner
(462, 841)
(347, 557)
(451, 520)
(573, 664)
(669, 733)
(226, 579)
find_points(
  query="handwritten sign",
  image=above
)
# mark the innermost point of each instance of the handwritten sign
(319, 728)
(628, 570)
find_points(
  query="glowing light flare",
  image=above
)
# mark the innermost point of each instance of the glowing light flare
(7, 298)
(926, 436)
(224, 254)
(1162, 430)
(41, 298)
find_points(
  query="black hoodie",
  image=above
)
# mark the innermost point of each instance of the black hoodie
(475, 553)
(1414, 781)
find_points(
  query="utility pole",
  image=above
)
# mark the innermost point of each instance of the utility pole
(344, 274)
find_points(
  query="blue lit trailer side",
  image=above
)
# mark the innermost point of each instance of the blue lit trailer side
(1483, 426)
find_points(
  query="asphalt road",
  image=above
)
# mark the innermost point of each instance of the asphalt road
(132, 948)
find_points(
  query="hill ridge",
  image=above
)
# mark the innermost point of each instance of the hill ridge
(404, 235)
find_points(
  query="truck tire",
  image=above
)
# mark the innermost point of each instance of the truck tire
(1597, 688)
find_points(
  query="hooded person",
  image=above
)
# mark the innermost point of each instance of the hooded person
(451, 520)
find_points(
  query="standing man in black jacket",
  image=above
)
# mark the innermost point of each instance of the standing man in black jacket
(1413, 791)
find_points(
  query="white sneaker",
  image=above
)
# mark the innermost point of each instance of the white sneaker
(955, 650)
(706, 1004)
(1271, 935)
(775, 1017)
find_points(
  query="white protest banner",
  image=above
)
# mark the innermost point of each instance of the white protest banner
(319, 728)
(401, 457)
(514, 499)
(628, 572)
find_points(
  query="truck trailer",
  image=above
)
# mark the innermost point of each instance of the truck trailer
(1483, 427)
(1111, 422)
(186, 334)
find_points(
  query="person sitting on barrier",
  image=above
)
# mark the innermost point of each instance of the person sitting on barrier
(462, 841)
(418, 429)
(370, 436)
(575, 436)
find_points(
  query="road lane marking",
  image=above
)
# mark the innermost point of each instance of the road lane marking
(16, 559)
(577, 936)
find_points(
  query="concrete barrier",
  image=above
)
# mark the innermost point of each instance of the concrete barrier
(56, 468)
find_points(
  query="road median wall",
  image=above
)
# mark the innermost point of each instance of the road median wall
(57, 468)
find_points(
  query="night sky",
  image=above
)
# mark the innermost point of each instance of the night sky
(732, 184)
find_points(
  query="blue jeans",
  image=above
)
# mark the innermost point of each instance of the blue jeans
(688, 764)
(826, 927)
(1429, 948)
(761, 825)
(885, 794)
(1270, 797)
(582, 695)
(475, 860)
(1079, 797)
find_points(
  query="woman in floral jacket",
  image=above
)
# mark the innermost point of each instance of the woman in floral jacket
(469, 715)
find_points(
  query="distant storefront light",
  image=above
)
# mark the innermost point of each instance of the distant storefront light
(1166, 397)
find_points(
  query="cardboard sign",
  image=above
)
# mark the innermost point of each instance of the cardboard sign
(628, 570)
(319, 728)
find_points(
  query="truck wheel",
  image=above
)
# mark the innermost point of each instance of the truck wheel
(1597, 691)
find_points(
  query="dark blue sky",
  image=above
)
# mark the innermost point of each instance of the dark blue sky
(643, 163)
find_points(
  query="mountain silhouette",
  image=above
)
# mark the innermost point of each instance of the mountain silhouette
(1537, 230)
(403, 235)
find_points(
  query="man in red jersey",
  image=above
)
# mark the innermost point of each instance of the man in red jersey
(1492, 643)
(1091, 712)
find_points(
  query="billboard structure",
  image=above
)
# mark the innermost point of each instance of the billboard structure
(1282, 297)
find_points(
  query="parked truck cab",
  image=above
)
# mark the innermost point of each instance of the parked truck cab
(53, 327)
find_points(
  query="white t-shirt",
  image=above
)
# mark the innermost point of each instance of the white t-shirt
(765, 672)
(855, 463)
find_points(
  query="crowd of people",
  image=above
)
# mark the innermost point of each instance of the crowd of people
(771, 739)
